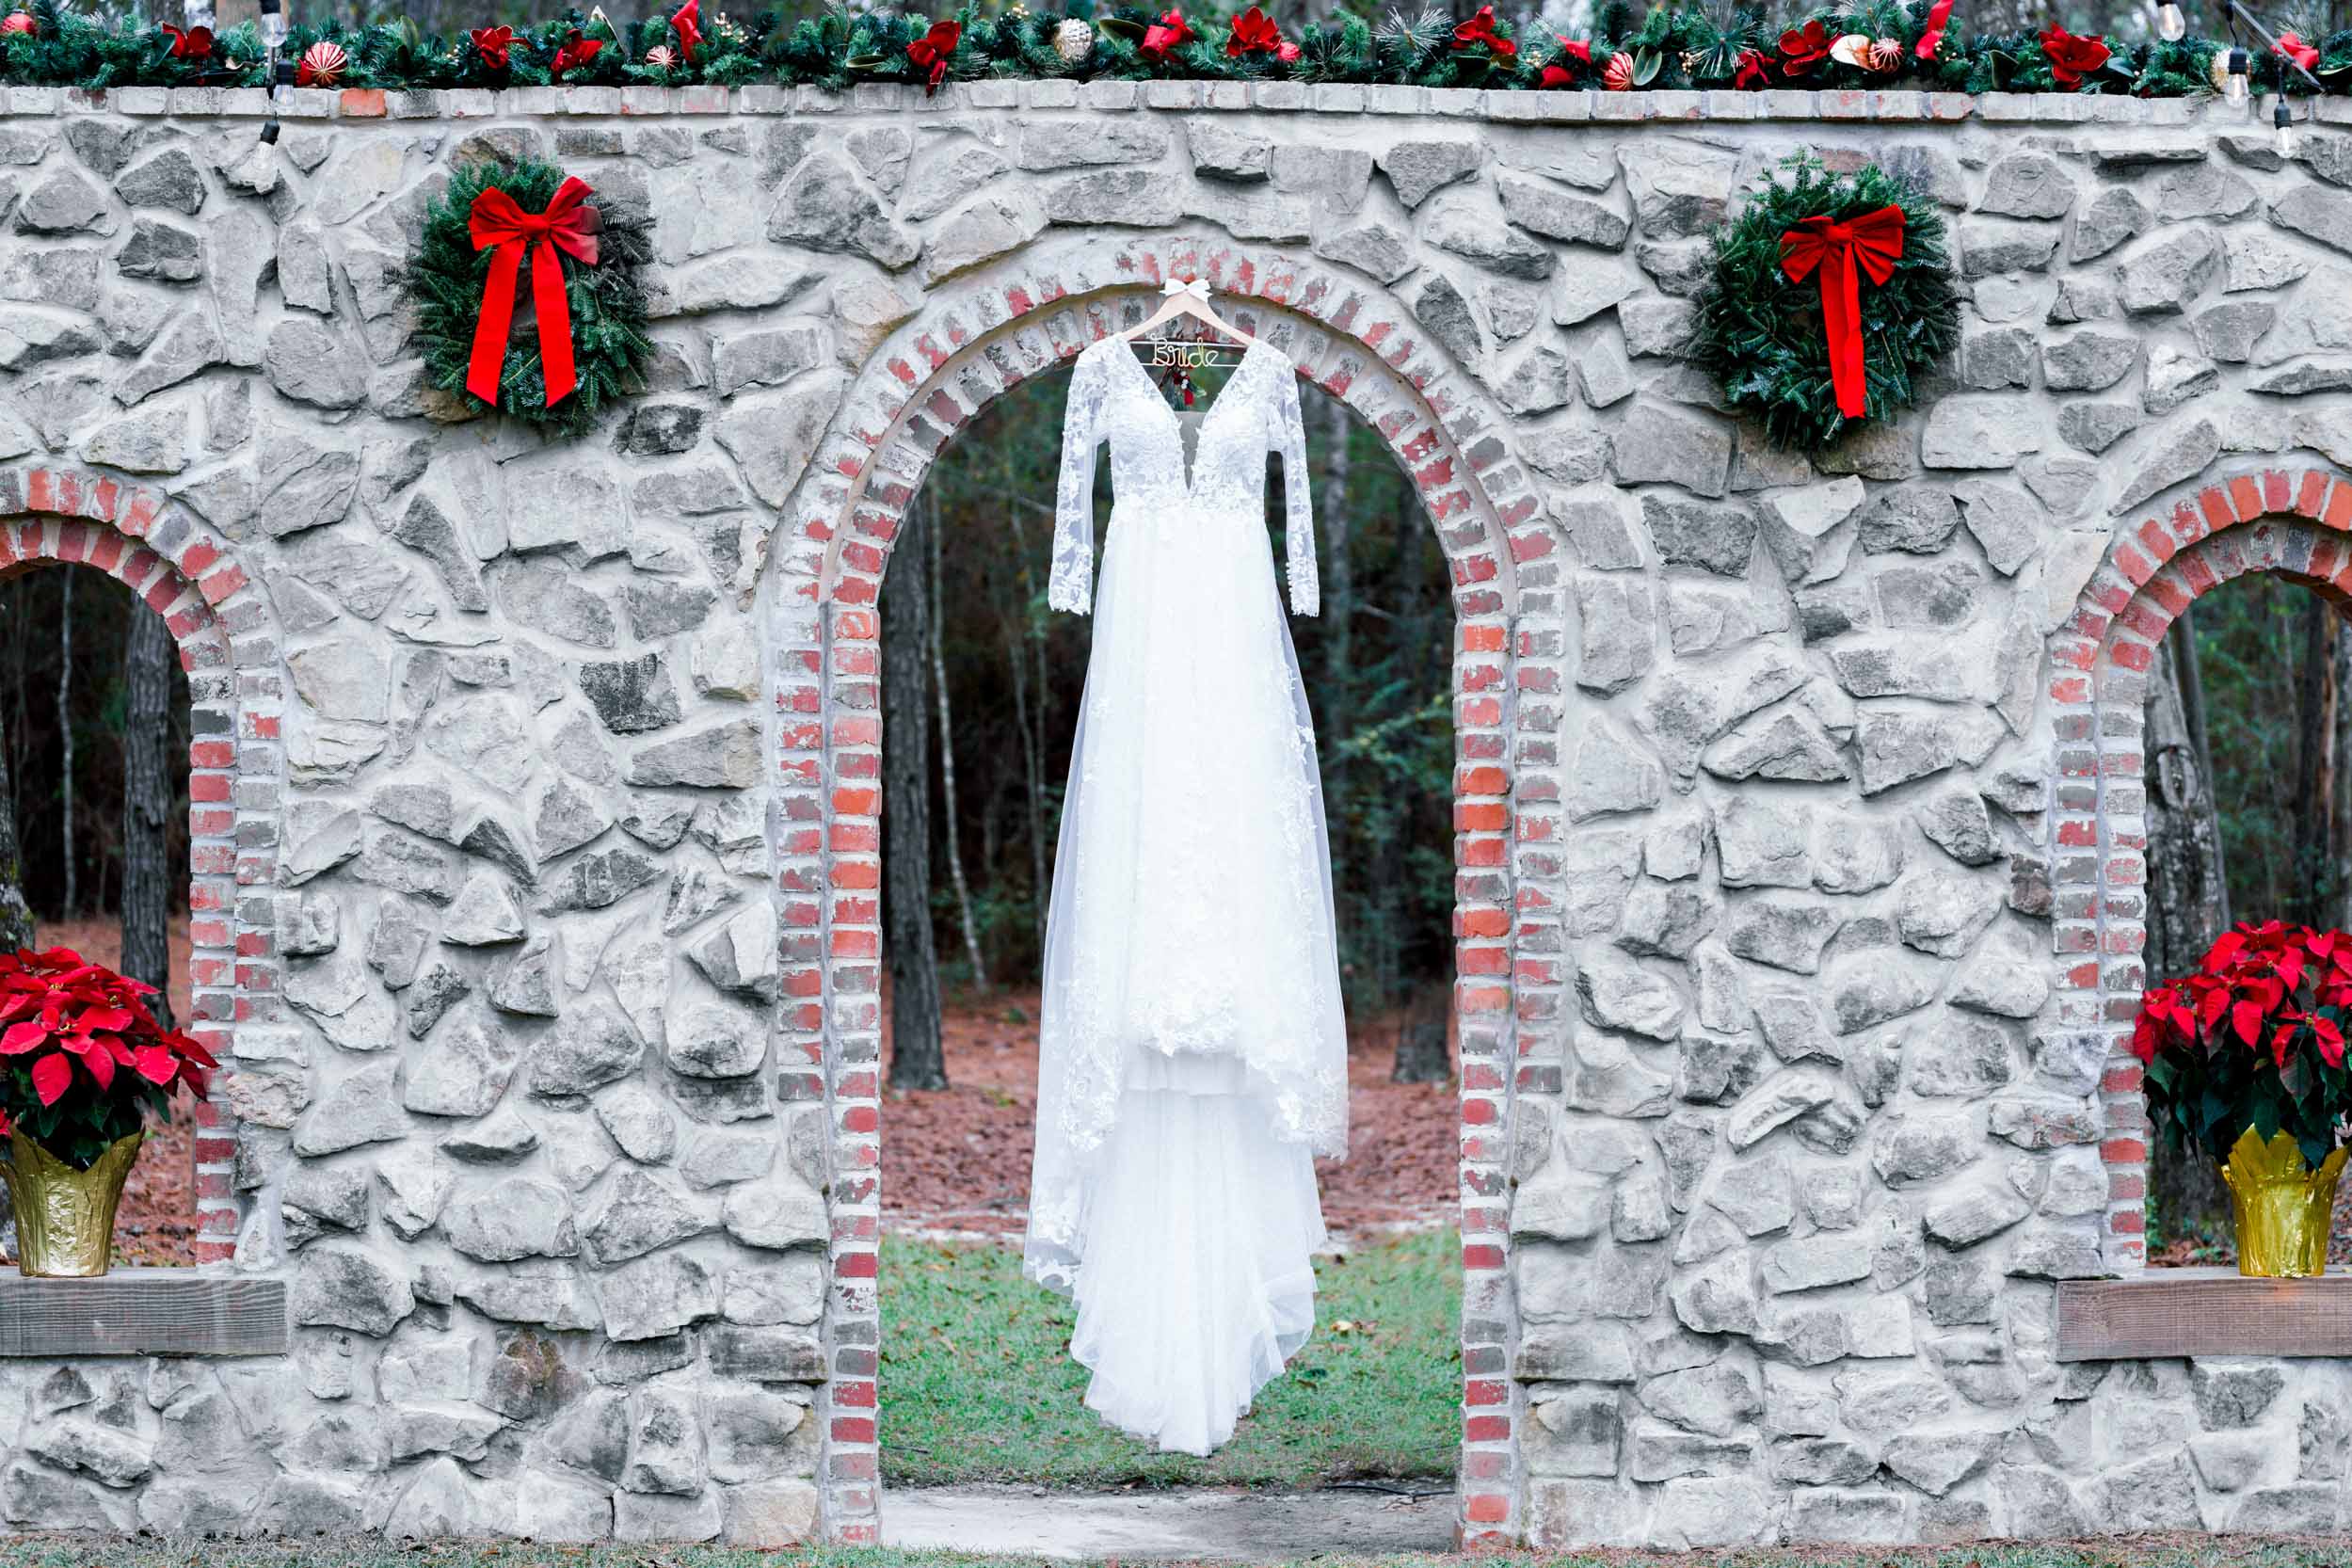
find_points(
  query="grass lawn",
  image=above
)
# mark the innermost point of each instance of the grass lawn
(978, 1384)
(86, 1551)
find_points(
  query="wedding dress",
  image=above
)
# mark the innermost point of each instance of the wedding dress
(1194, 1059)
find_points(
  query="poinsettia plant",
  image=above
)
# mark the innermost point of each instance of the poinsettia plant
(82, 1058)
(2255, 1037)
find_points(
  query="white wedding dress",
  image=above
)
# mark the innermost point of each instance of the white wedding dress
(1193, 1059)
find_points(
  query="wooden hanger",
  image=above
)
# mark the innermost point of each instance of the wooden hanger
(1185, 298)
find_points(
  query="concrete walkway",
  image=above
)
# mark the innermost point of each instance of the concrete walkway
(1204, 1526)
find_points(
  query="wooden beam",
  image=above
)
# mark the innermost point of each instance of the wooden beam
(142, 1312)
(2180, 1312)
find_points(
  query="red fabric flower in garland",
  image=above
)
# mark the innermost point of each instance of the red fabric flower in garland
(930, 53)
(1753, 74)
(1938, 17)
(1801, 49)
(1253, 33)
(2071, 59)
(575, 52)
(1557, 75)
(194, 44)
(491, 44)
(1480, 29)
(1170, 32)
(2293, 48)
(688, 24)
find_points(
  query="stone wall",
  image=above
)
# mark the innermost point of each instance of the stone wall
(1796, 902)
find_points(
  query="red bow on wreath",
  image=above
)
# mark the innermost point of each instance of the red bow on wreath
(568, 225)
(1872, 243)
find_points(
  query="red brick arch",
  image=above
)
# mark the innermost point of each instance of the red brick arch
(221, 621)
(2296, 524)
(972, 345)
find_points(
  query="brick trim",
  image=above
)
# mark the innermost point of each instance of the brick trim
(970, 347)
(225, 629)
(2295, 523)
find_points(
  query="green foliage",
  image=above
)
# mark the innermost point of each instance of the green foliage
(1762, 331)
(610, 349)
(978, 1384)
(1672, 47)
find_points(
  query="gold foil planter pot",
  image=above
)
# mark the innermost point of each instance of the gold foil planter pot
(65, 1217)
(2283, 1207)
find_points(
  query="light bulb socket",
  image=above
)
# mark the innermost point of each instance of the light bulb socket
(2281, 115)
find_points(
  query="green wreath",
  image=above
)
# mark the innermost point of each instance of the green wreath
(1762, 331)
(447, 274)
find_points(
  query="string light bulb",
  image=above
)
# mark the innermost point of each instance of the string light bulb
(2171, 25)
(273, 26)
(2235, 89)
(2283, 120)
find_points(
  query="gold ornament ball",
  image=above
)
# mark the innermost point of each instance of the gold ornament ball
(1072, 41)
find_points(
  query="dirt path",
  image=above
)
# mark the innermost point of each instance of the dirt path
(1187, 1525)
(959, 1160)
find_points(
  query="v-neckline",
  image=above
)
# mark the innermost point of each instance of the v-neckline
(1176, 422)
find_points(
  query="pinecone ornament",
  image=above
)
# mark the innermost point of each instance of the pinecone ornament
(1886, 57)
(1617, 76)
(1072, 41)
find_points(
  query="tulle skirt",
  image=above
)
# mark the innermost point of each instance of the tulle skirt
(1197, 1284)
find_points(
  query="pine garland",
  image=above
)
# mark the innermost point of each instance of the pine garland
(1658, 47)
(610, 349)
(1762, 332)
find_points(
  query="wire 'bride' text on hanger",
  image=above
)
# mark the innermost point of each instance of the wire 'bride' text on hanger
(1180, 357)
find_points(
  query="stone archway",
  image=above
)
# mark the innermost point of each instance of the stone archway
(2290, 523)
(972, 344)
(223, 625)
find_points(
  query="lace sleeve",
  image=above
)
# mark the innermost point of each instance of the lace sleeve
(1289, 438)
(1071, 585)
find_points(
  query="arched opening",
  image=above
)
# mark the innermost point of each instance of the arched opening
(2246, 567)
(980, 691)
(95, 735)
(227, 772)
(930, 382)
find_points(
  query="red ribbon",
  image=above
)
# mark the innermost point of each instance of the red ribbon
(1873, 242)
(568, 225)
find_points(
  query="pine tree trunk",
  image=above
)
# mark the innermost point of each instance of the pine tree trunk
(1017, 633)
(1422, 1056)
(947, 749)
(147, 806)
(16, 921)
(65, 740)
(1337, 606)
(2188, 904)
(2313, 860)
(917, 1059)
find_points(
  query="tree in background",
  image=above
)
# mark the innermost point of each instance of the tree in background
(917, 1058)
(147, 802)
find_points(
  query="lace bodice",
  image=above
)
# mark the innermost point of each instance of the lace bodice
(1113, 398)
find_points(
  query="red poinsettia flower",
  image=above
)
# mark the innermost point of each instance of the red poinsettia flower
(1253, 33)
(194, 44)
(1753, 74)
(1170, 32)
(17, 22)
(2071, 59)
(1939, 18)
(930, 53)
(688, 24)
(65, 1012)
(2293, 48)
(575, 52)
(1480, 29)
(1801, 49)
(492, 44)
